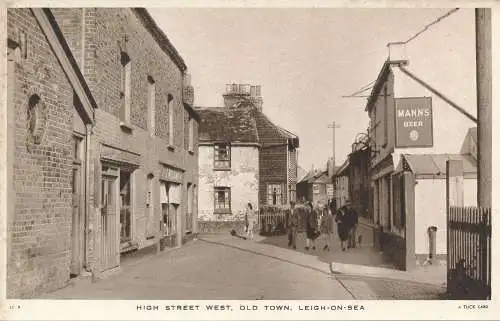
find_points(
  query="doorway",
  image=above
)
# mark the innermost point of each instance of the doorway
(109, 245)
(78, 203)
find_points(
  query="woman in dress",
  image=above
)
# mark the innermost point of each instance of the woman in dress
(311, 227)
(250, 218)
(342, 225)
(327, 228)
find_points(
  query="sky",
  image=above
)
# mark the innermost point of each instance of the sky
(305, 60)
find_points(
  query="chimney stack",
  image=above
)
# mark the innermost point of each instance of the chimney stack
(236, 93)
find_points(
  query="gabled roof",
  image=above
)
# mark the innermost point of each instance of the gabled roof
(315, 176)
(219, 124)
(68, 63)
(270, 133)
(242, 123)
(341, 170)
(435, 164)
(160, 37)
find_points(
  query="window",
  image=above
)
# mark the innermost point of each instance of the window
(150, 221)
(222, 156)
(274, 194)
(222, 200)
(386, 111)
(191, 135)
(170, 107)
(125, 207)
(189, 214)
(125, 88)
(151, 105)
(168, 208)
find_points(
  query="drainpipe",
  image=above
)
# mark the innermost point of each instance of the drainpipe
(88, 132)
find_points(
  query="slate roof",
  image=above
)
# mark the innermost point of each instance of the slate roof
(227, 125)
(435, 164)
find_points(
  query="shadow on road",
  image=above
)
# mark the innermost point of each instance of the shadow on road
(363, 254)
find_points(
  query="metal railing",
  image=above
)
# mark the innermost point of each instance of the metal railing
(469, 253)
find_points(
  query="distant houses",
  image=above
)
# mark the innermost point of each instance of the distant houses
(244, 158)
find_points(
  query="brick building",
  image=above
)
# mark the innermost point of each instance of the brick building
(251, 149)
(103, 143)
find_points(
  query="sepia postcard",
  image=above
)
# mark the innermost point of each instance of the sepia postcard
(248, 160)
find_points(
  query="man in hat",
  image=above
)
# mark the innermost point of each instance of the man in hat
(352, 224)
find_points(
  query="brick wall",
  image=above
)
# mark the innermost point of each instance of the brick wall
(138, 147)
(39, 229)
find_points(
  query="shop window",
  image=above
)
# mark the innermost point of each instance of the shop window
(169, 205)
(125, 207)
(222, 200)
(222, 156)
(189, 214)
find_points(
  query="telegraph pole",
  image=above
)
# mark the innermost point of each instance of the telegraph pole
(334, 126)
(484, 127)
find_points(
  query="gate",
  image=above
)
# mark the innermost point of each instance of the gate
(469, 252)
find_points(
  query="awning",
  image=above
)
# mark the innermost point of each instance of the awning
(435, 164)
(174, 193)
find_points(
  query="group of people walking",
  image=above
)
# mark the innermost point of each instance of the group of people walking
(319, 224)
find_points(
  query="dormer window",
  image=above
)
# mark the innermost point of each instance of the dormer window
(222, 156)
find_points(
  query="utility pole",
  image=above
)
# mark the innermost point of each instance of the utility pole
(484, 127)
(334, 126)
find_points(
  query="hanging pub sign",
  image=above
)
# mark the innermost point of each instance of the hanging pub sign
(414, 122)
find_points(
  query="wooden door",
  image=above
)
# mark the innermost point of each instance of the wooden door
(109, 249)
(77, 219)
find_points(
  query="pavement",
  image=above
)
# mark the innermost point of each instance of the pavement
(224, 267)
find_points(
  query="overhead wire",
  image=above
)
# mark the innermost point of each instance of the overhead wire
(426, 27)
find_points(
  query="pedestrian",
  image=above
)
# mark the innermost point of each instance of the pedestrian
(327, 228)
(342, 226)
(352, 217)
(311, 227)
(250, 217)
(293, 223)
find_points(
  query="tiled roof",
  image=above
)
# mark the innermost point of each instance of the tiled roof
(241, 123)
(315, 176)
(227, 124)
(435, 164)
(271, 133)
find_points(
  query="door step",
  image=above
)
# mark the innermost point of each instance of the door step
(84, 278)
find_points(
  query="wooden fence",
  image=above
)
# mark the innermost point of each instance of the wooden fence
(469, 253)
(272, 221)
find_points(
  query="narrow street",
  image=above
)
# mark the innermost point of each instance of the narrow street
(222, 267)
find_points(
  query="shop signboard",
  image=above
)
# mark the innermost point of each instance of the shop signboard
(413, 117)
